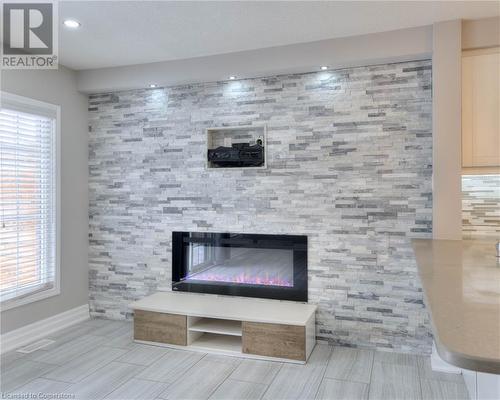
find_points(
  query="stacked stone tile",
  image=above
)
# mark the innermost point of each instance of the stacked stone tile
(349, 164)
(481, 206)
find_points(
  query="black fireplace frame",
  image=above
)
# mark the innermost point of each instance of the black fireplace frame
(293, 242)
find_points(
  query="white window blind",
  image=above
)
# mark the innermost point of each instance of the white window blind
(28, 237)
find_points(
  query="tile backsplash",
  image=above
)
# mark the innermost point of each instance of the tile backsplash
(481, 206)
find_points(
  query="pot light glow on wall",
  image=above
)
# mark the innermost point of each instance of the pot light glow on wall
(71, 23)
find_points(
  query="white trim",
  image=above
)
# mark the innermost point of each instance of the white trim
(53, 111)
(40, 329)
(31, 298)
(439, 365)
(29, 105)
(57, 272)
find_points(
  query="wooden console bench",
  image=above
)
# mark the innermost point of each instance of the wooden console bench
(235, 326)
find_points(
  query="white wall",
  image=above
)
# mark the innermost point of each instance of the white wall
(59, 87)
(378, 48)
(446, 130)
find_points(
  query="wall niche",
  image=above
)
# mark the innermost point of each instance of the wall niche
(231, 147)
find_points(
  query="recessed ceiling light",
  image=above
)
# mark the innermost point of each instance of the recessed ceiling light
(71, 23)
(232, 78)
(324, 68)
(152, 85)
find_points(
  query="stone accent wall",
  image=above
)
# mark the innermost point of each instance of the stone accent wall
(349, 165)
(481, 206)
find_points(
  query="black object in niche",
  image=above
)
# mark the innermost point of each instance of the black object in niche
(238, 155)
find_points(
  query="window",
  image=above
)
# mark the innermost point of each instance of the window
(29, 251)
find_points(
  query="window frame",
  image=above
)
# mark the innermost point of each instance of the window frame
(32, 106)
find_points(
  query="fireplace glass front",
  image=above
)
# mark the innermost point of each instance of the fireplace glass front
(268, 266)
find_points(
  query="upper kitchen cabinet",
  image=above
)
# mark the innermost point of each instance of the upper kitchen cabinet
(481, 108)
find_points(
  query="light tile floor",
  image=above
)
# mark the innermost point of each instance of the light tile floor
(97, 359)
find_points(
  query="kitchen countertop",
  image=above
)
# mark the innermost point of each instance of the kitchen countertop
(461, 282)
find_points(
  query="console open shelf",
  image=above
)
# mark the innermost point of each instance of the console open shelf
(215, 325)
(224, 344)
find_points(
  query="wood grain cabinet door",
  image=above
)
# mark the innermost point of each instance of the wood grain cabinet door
(274, 340)
(159, 327)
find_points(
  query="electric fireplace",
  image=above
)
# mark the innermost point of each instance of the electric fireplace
(250, 265)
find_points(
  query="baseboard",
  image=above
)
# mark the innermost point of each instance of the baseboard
(40, 329)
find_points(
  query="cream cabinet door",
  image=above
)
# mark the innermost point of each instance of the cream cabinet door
(481, 108)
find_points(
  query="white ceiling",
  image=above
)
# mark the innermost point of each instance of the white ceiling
(117, 33)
